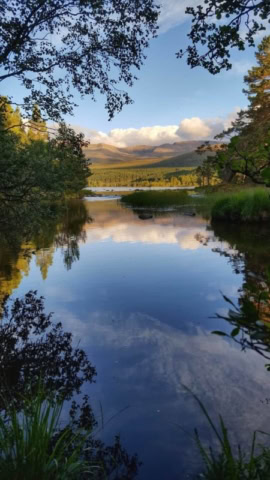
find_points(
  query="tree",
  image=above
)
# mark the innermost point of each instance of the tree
(34, 167)
(220, 25)
(53, 46)
(258, 86)
(206, 172)
(248, 150)
(36, 127)
(11, 119)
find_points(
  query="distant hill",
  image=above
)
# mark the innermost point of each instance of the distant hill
(179, 153)
(192, 159)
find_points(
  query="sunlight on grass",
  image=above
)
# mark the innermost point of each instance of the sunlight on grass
(245, 206)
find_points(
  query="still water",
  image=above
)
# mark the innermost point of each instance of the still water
(140, 296)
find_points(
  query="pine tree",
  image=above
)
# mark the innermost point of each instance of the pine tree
(248, 152)
(258, 85)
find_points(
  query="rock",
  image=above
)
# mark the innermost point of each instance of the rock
(145, 216)
(190, 214)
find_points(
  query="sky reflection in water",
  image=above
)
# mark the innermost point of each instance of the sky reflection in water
(139, 301)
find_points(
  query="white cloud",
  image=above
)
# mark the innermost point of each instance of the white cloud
(239, 67)
(167, 358)
(145, 135)
(193, 128)
(173, 13)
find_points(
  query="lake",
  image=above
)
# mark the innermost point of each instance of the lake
(141, 298)
(133, 189)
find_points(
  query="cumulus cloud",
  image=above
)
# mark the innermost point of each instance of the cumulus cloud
(193, 128)
(125, 137)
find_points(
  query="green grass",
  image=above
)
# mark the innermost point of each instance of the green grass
(27, 447)
(251, 205)
(229, 462)
(166, 198)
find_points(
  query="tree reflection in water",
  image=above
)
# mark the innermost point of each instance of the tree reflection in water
(39, 231)
(247, 250)
(32, 350)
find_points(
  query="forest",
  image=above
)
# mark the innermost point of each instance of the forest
(142, 177)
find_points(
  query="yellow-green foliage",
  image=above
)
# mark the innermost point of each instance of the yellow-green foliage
(142, 177)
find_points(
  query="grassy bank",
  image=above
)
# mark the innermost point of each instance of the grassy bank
(155, 199)
(250, 205)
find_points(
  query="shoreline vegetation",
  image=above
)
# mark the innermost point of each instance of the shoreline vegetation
(156, 199)
(235, 205)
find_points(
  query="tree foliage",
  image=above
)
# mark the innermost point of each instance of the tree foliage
(247, 152)
(33, 165)
(36, 127)
(54, 46)
(220, 25)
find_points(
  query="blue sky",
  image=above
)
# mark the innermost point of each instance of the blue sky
(171, 101)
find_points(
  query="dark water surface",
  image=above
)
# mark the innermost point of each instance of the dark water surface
(138, 296)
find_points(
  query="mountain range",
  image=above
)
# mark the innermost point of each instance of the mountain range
(165, 155)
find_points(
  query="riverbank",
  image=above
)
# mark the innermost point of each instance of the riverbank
(249, 205)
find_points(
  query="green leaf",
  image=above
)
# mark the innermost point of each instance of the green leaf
(266, 174)
(235, 332)
(218, 332)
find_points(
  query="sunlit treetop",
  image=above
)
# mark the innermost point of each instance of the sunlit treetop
(218, 26)
(56, 47)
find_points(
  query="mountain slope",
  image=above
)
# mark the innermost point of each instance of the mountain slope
(192, 159)
(103, 154)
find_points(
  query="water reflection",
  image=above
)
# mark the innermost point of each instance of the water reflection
(139, 298)
(61, 229)
(143, 362)
(248, 253)
(122, 225)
